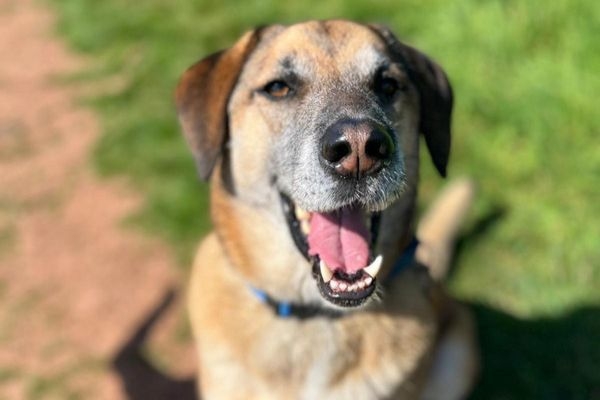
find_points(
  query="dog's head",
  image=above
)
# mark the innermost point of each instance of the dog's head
(323, 117)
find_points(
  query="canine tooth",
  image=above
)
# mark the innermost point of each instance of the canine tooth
(305, 226)
(368, 280)
(302, 214)
(375, 266)
(326, 273)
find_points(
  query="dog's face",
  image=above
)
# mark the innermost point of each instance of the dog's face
(324, 118)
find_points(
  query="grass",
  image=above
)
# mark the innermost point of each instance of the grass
(526, 125)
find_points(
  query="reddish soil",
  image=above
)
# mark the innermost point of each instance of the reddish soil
(74, 281)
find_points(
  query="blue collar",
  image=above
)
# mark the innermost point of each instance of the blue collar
(286, 309)
(406, 259)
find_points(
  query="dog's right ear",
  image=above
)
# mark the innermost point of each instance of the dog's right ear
(201, 98)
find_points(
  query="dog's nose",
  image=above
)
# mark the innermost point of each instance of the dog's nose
(356, 147)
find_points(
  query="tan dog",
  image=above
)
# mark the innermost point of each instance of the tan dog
(308, 288)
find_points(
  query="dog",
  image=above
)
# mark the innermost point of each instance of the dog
(312, 284)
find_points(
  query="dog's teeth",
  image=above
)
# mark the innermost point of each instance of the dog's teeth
(305, 226)
(368, 280)
(301, 214)
(361, 284)
(334, 285)
(326, 273)
(375, 266)
(343, 286)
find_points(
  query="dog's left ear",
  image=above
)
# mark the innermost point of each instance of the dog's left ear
(202, 96)
(435, 96)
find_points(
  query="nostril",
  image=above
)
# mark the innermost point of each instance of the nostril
(335, 148)
(379, 145)
(335, 152)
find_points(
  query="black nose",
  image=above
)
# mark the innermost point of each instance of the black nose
(356, 147)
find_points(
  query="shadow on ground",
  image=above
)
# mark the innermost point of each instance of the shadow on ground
(542, 358)
(546, 358)
(554, 358)
(140, 379)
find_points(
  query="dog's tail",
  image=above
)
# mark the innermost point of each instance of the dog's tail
(438, 228)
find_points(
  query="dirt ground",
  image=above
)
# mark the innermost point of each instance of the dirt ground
(75, 283)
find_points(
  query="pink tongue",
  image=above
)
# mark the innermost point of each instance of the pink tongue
(341, 239)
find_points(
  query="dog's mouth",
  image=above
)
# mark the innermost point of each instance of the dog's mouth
(339, 244)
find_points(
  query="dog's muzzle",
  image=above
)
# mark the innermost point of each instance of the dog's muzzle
(339, 245)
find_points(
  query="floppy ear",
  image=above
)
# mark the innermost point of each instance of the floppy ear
(202, 96)
(435, 97)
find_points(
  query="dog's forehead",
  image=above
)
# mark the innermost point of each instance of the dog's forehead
(322, 47)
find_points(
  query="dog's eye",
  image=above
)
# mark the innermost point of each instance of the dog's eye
(388, 87)
(277, 89)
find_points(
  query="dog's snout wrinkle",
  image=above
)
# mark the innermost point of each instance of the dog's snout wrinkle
(356, 148)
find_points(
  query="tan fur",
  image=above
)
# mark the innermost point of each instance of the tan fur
(438, 227)
(408, 346)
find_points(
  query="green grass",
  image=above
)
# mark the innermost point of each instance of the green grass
(526, 123)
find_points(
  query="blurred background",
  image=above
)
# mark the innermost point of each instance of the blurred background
(100, 207)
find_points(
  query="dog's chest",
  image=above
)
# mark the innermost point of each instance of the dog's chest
(371, 357)
(383, 361)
